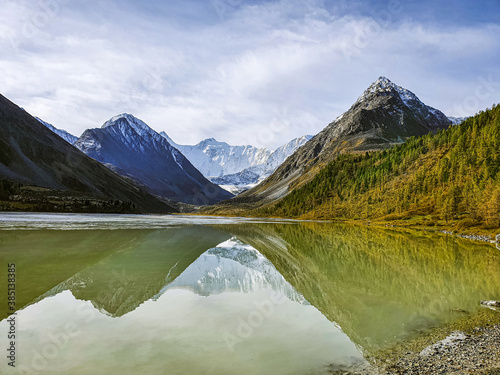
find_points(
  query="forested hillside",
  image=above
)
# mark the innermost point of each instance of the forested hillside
(453, 175)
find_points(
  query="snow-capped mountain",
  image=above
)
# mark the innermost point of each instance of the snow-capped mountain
(236, 168)
(131, 148)
(249, 177)
(431, 117)
(233, 266)
(278, 156)
(215, 159)
(385, 114)
(39, 157)
(457, 120)
(70, 138)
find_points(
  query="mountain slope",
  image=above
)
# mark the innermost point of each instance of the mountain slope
(453, 175)
(217, 161)
(70, 138)
(131, 148)
(32, 154)
(383, 115)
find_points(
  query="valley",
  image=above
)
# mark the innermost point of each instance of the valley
(250, 187)
(388, 160)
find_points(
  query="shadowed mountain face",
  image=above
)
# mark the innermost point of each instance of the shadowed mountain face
(384, 115)
(131, 148)
(32, 154)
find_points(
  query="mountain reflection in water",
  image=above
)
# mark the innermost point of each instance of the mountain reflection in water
(252, 297)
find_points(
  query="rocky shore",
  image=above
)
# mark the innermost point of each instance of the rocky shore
(459, 353)
(469, 346)
(474, 237)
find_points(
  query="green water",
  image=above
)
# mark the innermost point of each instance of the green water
(108, 294)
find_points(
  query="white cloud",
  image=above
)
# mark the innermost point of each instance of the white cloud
(233, 78)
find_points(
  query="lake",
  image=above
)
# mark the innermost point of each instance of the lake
(126, 294)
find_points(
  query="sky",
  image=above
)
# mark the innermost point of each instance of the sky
(244, 72)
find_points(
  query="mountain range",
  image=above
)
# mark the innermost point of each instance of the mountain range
(450, 179)
(132, 149)
(33, 155)
(236, 168)
(206, 173)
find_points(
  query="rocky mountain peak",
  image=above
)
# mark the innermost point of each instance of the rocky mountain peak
(384, 115)
(124, 117)
(125, 122)
(383, 87)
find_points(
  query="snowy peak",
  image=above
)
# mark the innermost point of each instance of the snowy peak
(131, 148)
(383, 86)
(251, 176)
(130, 119)
(399, 100)
(457, 120)
(210, 142)
(235, 168)
(291, 146)
(128, 131)
(125, 121)
(278, 156)
(70, 138)
(218, 159)
(213, 158)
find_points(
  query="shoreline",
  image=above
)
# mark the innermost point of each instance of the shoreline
(481, 235)
(483, 238)
(452, 228)
(470, 345)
